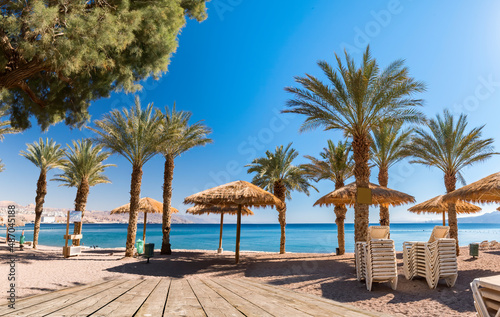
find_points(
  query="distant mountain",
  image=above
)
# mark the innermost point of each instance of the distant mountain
(492, 217)
(27, 214)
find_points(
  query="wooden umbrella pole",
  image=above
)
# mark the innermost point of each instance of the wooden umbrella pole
(144, 230)
(238, 229)
(444, 217)
(220, 236)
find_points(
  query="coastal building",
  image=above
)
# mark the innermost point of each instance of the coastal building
(46, 219)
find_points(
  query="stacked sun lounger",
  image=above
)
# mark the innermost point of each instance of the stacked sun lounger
(433, 260)
(486, 292)
(376, 258)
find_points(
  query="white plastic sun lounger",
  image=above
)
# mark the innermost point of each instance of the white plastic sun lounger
(486, 292)
(376, 259)
(433, 260)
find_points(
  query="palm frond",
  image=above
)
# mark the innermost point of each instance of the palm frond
(44, 154)
(446, 144)
(356, 98)
(84, 162)
(178, 136)
(278, 166)
(134, 133)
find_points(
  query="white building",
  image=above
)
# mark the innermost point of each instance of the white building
(48, 219)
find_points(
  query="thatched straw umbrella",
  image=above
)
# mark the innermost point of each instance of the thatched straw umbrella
(436, 205)
(231, 210)
(238, 193)
(381, 196)
(485, 190)
(146, 205)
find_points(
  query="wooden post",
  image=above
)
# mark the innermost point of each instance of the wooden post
(65, 251)
(220, 236)
(144, 230)
(238, 229)
(444, 217)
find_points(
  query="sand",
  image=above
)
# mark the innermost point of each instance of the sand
(330, 276)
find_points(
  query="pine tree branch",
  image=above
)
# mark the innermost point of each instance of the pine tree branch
(24, 86)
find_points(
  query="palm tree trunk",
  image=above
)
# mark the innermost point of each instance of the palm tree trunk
(168, 176)
(361, 155)
(340, 212)
(41, 191)
(450, 181)
(280, 192)
(383, 180)
(80, 202)
(135, 194)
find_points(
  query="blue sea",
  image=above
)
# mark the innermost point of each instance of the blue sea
(316, 238)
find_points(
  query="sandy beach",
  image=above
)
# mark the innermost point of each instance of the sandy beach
(330, 276)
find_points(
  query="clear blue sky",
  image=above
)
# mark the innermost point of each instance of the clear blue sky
(230, 71)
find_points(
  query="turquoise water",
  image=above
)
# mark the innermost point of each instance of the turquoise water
(319, 238)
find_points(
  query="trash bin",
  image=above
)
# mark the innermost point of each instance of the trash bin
(139, 245)
(474, 249)
(149, 250)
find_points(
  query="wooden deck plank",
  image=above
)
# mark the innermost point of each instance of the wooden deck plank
(213, 304)
(182, 297)
(130, 302)
(247, 308)
(155, 303)
(181, 300)
(47, 307)
(292, 301)
(40, 298)
(317, 300)
(271, 305)
(93, 303)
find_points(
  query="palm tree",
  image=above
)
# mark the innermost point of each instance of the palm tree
(179, 137)
(83, 170)
(448, 146)
(336, 164)
(134, 134)
(46, 155)
(388, 147)
(275, 173)
(5, 127)
(355, 100)
(2, 166)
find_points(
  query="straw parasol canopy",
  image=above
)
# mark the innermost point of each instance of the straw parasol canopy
(485, 190)
(436, 205)
(234, 193)
(238, 193)
(211, 209)
(146, 205)
(380, 196)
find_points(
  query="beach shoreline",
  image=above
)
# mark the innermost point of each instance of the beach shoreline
(327, 275)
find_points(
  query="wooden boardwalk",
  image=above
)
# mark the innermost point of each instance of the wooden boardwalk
(179, 297)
